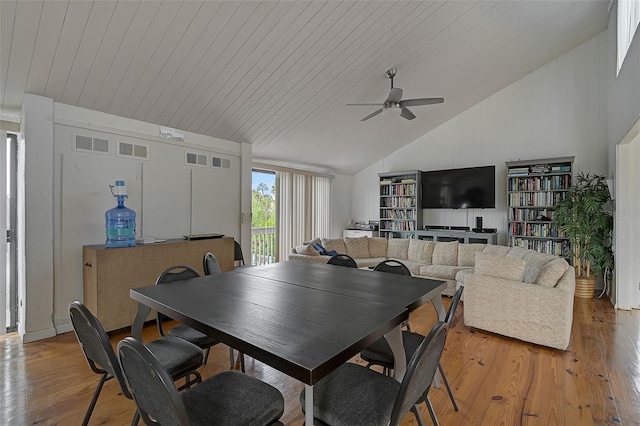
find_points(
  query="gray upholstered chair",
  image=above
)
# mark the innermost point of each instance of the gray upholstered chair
(392, 266)
(379, 353)
(356, 395)
(342, 260)
(181, 357)
(176, 273)
(226, 398)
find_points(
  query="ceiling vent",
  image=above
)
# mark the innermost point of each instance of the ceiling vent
(220, 163)
(126, 149)
(88, 143)
(193, 159)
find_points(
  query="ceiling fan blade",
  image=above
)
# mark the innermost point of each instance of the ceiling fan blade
(373, 114)
(422, 101)
(407, 114)
(395, 95)
(376, 104)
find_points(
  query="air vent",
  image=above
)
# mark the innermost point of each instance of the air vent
(220, 163)
(194, 159)
(88, 143)
(127, 149)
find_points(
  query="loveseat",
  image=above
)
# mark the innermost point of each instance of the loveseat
(512, 291)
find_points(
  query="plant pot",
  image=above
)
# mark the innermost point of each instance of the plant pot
(585, 287)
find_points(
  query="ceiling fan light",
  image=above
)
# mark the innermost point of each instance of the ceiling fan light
(392, 111)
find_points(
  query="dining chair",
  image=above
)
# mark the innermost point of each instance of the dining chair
(392, 266)
(205, 342)
(237, 253)
(181, 357)
(227, 398)
(211, 266)
(356, 395)
(342, 260)
(379, 353)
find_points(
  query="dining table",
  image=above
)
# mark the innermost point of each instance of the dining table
(302, 319)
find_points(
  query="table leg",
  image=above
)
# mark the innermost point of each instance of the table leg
(394, 338)
(138, 322)
(439, 307)
(308, 405)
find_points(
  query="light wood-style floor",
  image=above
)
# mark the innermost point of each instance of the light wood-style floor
(496, 380)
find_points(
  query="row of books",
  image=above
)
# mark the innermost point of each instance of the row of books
(396, 181)
(528, 199)
(404, 189)
(540, 183)
(539, 169)
(522, 215)
(398, 202)
(397, 214)
(543, 230)
(559, 248)
(398, 226)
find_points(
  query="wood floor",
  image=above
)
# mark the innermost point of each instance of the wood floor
(496, 380)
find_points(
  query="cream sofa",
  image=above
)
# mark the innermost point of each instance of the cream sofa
(508, 290)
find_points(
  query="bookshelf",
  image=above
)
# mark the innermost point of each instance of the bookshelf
(400, 204)
(534, 189)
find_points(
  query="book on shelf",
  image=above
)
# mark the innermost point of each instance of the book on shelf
(408, 181)
(385, 182)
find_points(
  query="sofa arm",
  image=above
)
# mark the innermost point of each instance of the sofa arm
(308, 258)
(529, 312)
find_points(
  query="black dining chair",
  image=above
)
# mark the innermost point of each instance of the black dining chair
(211, 266)
(181, 357)
(343, 260)
(237, 254)
(227, 398)
(380, 353)
(355, 395)
(393, 267)
(205, 342)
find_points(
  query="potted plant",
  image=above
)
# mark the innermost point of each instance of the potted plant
(585, 218)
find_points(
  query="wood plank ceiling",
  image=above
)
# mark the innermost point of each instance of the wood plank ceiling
(277, 74)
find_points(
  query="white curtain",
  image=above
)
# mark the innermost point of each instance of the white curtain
(304, 209)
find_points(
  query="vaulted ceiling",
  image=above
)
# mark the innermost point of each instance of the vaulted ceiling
(277, 74)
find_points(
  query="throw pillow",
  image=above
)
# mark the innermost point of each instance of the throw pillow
(377, 247)
(307, 249)
(445, 253)
(358, 248)
(336, 244)
(398, 248)
(535, 263)
(420, 251)
(496, 250)
(467, 253)
(552, 272)
(509, 268)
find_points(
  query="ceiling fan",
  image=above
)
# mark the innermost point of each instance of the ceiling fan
(395, 104)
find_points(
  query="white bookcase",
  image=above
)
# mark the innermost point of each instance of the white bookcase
(400, 204)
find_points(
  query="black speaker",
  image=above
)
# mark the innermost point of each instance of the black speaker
(479, 222)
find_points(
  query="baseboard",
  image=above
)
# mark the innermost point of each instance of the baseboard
(64, 327)
(32, 336)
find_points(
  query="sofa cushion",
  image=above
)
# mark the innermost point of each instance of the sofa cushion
(358, 248)
(441, 271)
(467, 253)
(518, 252)
(552, 272)
(414, 267)
(378, 247)
(370, 262)
(398, 248)
(306, 249)
(315, 240)
(463, 274)
(496, 250)
(534, 263)
(420, 251)
(336, 244)
(509, 268)
(445, 253)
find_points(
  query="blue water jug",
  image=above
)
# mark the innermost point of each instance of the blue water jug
(120, 220)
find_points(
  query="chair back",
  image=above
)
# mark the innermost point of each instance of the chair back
(393, 266)
(210, 264)
(237, 253)
(171, 274)
(420, 371)
(343, 260)
(153, 389)
(95, 344)
(454, 305)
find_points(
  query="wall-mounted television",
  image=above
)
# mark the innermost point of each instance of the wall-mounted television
(468, 188)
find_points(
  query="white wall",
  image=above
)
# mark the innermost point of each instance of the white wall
(340, 204)
(171, 199)
(556, 111)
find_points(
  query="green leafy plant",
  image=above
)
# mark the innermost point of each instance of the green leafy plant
(585, 218)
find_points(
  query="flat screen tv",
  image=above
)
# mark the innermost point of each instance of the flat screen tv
(469, 188)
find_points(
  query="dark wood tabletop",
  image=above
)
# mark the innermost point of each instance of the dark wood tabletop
(302, 319)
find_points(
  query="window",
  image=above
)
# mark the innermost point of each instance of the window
(628, 19)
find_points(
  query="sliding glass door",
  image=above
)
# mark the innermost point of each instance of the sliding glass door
(263, 217)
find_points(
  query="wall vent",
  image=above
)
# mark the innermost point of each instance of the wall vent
(88, 143)
(193, 159)
(127, 149)
(220, 163)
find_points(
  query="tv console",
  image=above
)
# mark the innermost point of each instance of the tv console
(466, 237)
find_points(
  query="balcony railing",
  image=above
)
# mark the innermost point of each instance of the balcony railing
(263, 245)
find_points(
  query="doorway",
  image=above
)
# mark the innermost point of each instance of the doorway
(263, 217)
(9, 217)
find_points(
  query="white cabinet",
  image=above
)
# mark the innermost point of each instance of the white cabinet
(355, 233)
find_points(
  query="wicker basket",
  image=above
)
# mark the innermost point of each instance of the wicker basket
(585, 287)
